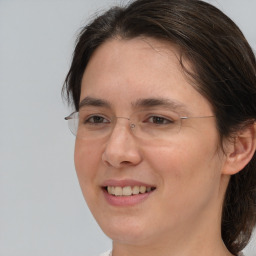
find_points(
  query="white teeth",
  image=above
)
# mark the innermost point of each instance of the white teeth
(136, 190)
(128, 190)
(118, 191)
(142, 189)
(148, 189)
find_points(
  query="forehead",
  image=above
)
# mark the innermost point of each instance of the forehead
(121, 71)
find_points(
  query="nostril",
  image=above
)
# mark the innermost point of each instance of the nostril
(125, 162)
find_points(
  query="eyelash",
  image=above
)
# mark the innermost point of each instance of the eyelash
(160, 118)
(87, 120)
(152, 119)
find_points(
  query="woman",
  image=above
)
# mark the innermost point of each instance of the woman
(165, 107)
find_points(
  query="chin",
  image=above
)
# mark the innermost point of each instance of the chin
(125, 231)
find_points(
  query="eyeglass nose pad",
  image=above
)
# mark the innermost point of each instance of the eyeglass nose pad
(132, 126)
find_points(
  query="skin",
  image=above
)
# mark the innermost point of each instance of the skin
(183, 215)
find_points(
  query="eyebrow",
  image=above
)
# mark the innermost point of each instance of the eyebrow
(160, 102)
(95, 102)
(139, 103)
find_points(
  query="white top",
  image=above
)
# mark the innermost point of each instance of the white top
(109, 253)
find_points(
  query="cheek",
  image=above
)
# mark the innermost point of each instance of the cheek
(187, 168)
(87, 160)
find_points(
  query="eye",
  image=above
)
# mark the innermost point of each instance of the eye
(96, 119)
(159, 120)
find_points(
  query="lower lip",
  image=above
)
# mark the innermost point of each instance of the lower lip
(126, 200)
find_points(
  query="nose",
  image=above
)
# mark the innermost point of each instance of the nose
(121, 149)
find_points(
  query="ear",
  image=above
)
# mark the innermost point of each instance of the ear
(241, 150)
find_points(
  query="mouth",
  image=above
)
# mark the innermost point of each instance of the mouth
(128, 190)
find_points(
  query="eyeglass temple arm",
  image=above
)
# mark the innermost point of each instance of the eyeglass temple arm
(70, 116)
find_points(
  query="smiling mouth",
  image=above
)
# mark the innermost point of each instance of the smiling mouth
(128, 190)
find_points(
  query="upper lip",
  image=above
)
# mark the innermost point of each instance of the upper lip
(125, 183)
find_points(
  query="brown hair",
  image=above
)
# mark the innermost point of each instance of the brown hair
(224, 72)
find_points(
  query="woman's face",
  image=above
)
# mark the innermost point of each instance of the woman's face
(183, 171)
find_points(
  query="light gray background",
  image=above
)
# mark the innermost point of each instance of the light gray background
(42, 211)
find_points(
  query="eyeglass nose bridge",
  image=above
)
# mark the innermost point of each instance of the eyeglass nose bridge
(132, 124)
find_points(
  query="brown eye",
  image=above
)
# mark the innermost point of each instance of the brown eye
(96, 120)
(159, 120)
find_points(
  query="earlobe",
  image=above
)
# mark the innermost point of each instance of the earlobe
(241, 150)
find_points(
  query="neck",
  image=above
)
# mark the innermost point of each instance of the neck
(193, 244)
(177, 246)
